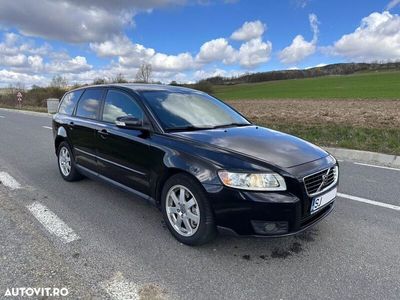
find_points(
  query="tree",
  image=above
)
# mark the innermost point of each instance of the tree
(59, 81)
(99, 80)
(144, 73)
(204, 86)
(119, 79)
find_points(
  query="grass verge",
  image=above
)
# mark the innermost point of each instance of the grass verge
(28, 108)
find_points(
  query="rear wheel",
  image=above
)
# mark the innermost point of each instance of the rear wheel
(66, 163)
(186, 210)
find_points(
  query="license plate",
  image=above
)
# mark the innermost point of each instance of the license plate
(320, 201)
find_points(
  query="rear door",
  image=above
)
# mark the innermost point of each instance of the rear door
(123, 154)
(83, 127)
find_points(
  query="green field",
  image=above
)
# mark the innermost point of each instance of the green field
(377, 85)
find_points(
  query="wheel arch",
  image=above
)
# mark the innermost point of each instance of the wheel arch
(169, 172)
(60, 137)
(199, 169)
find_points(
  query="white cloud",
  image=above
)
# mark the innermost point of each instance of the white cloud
(14, 44)
(128, 53)
(203, 74)
(216, 50)
(254, 53)
(121, 46)
(74, 21)
(392, 4)
(377, 38)
(11, 77)
(18, 54)
(13, 60)
(313, 19)
(133, 55)
(164, 62)
(11, 38)
(316, 66)
(76, 64)
(61, 20)
(35, 62)
(302, 3)
(299, 49)
(251, 53)
(249, 30)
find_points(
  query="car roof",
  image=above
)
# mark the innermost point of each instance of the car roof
(142, 87)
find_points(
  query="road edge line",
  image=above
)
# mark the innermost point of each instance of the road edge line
(368, 201)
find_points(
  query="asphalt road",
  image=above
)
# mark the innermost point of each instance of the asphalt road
(123, 249)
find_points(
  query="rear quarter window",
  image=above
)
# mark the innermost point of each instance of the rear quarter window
(68, 102)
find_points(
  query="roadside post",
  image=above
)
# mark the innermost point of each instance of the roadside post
(52, 105)
(19, 99)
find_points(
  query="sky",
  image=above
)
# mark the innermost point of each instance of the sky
(188, 40)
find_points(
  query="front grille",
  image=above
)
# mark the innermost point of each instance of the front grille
(319, 181)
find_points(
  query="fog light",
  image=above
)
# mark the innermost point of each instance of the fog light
(276, 227)
(270, 227)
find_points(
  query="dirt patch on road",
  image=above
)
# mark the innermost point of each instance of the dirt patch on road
(358, 113)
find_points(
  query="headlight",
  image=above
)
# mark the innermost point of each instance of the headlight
(253, 181)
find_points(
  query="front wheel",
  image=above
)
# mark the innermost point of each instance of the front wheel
(66, 163)
(186, 211)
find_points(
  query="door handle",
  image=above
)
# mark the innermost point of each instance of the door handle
(103, 133)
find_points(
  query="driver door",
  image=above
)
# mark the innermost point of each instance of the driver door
(123, 154)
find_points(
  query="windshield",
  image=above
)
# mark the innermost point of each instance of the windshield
(191, 111)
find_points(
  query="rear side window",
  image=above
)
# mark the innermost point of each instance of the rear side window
(118, 104)
(88, 106)
(68, 102)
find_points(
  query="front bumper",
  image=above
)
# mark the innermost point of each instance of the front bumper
(264, 214)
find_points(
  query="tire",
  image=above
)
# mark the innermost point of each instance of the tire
(66, 163)
(180, 214)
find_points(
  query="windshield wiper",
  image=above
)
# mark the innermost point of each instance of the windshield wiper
(187, 128)
(232, 125)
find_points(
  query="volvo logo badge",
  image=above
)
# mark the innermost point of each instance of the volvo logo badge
(324, 178)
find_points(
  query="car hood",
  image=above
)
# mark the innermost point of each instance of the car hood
(273, 147)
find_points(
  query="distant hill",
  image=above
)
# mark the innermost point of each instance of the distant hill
(333, 69)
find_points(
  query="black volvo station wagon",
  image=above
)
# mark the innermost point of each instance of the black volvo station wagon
(203, 164)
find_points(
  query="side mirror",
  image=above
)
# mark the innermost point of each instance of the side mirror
(130, 122)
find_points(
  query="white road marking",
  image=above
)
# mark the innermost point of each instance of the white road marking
(119, 288)
(2, 116)
(9, 181)
(52, 222)
(372, 202)
(376, 166)
(47, 127)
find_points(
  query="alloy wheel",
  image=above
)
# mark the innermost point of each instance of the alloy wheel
(182, 210)
(64, 160)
